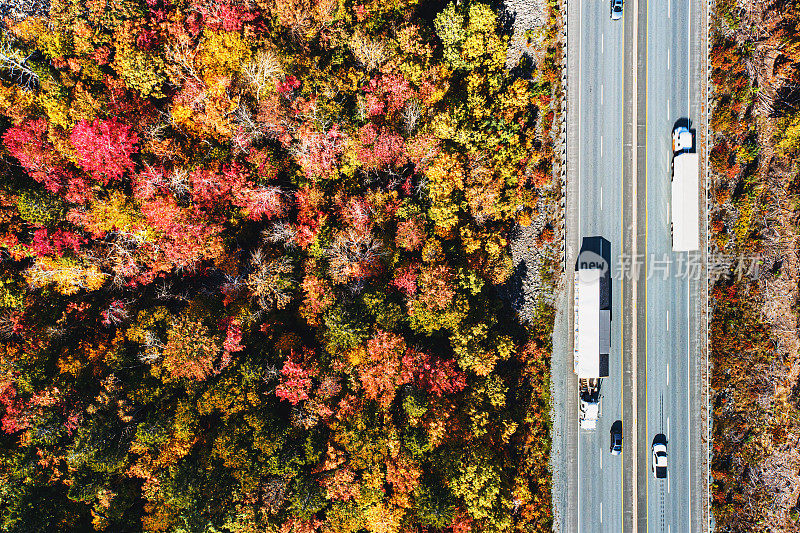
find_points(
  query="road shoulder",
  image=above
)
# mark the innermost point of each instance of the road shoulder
(564, 388)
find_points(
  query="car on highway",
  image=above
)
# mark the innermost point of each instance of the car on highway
(659, 459)
(616, 9)
(616, 439)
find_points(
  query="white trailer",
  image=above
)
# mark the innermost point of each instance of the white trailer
(685, 193)
(592, 335)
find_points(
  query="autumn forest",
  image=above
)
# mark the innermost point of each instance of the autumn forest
(252, 259)
(755, 212)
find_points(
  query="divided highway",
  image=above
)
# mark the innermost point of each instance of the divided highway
(629, 82)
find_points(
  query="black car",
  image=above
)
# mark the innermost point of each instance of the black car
(616, 438)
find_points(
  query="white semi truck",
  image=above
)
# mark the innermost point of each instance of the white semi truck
(592, 325)
(685, 192)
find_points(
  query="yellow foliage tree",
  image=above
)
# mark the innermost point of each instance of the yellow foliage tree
(445, 180)
(221, 54)
(68, 275)
(116, 213)
(190, 350)
(381, 518)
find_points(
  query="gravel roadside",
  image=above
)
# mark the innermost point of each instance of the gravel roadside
(538, 278)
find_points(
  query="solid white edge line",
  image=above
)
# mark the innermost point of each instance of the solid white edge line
(620, 95)
(689, 60)
(708, 305)
(688, 283)
(578, 174)
(579, 477)
(688, 398)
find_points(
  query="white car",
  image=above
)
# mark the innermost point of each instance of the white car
(616, 9)
(659, 460)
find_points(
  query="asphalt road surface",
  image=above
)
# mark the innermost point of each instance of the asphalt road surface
(670, 315)
(600, 204)
(629, 81)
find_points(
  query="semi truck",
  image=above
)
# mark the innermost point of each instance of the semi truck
(685, 191)
(592, 325)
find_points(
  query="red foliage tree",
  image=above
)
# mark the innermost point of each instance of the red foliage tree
(317, 152)
(341, 485)
(357, 212)
(78, 188)
(289, 84)
(56, 242)
(148, 182)
(147, 39)
(225, 15)
(381, 149)
(28, 143)
(272, 116)
(233, 336)
(422, 149)
(436, 376)
(14, 416)
(264, 162)
(462, 523)
(296, 383)
(405, 279)
(183, 239)
(213, 189)
(410, 235)
(387, 94)
(384, 372)
(309, 218)
(104, 148)
(115, 313)
(261, 202)
(294, 525)
(20, 414)
(404, 474)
